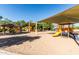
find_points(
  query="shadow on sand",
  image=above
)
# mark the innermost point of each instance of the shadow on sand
(6, 42)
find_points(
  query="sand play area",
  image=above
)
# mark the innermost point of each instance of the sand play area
(41, 43)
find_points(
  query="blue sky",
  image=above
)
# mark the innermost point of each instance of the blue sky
(34, 12)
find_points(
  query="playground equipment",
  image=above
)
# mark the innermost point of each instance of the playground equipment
(59, 31)
(67, 31)
(64, 30)
(56, 34)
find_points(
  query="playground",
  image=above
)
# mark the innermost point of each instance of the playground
(41, 37)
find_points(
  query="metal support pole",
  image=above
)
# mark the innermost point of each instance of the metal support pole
(36, 28)
(72, 26)
(61, 29)
(29, 26)
(68, 30)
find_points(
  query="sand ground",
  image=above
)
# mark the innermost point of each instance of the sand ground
(44, 45)
(3, 52)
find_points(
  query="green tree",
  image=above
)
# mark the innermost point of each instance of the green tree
(6, 21)
(1, 17)
(21, 24)
(45, 26)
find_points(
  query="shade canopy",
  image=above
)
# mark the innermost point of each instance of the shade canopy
(68, 16)
(7, 25)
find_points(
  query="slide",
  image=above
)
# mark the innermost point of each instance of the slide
(56, 34)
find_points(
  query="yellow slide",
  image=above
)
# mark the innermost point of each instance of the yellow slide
(58, 32)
